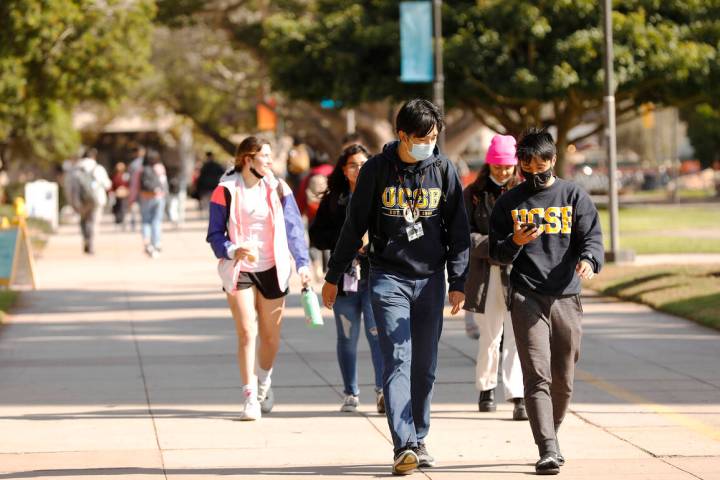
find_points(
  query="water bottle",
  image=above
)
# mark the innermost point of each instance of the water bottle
(311, 306)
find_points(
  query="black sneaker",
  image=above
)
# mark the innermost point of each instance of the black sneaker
(425, 460)
(519, 412)
(486, 401)
(547, 465)
(405, 463)
(560, 458)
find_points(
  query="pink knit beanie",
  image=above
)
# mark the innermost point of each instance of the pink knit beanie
(501, 151)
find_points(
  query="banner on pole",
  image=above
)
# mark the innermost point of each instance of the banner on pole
(416, 42)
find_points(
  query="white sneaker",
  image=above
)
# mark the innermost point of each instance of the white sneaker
(251, 411)
(266, 397)
(350, 404)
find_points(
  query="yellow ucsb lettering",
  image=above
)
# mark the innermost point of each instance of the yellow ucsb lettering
(550, 220)
(397, 197)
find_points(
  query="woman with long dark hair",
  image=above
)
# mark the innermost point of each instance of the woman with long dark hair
(353, 302)
(486, 286)
(256, 231)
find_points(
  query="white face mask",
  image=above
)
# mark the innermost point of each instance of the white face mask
(498, 183)
(421, 151)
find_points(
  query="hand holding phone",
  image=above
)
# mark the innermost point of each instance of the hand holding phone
(526, 232)
(528, 227)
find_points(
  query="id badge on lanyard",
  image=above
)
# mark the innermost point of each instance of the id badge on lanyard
(411, 214)
(414, 231)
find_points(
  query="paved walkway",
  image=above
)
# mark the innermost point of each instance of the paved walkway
(123, 367)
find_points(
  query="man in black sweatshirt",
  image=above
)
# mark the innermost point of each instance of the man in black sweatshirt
(410, 200)
(549, 229)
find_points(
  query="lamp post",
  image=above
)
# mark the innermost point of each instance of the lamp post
(439, 82)
(610, 135)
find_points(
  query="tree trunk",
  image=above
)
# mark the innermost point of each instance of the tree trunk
(459, 133)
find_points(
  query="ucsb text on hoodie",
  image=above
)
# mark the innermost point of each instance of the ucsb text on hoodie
(385, 186)
(571, 232)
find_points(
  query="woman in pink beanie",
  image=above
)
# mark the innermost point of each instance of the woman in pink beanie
(487, 316)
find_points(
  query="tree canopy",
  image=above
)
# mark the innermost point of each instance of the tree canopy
(55, 54)
(514, 63)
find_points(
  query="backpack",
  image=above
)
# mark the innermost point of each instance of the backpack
(85, 197)
(150, 180)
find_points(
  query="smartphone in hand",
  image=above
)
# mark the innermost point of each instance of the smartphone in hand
(528, 227)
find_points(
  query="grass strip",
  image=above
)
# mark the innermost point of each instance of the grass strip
(7, 299)
(692, 292)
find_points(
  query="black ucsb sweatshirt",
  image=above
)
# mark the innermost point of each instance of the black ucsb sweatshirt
(571, 233)
(377, 207)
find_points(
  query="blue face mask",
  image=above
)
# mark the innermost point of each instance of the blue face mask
(421, 151)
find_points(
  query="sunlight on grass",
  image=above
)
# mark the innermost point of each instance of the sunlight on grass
(690, 292)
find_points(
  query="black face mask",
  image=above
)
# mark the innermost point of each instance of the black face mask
(538, 181)
(256, 173)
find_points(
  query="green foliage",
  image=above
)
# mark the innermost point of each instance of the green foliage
(704, 132)
(201, 75)
(514, 63)
(57, 53)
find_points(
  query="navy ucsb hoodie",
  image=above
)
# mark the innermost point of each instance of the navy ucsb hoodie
(377, 207)
(571, 232)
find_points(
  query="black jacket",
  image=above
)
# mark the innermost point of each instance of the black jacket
(479, 202)
(325, 230)
(375, 206)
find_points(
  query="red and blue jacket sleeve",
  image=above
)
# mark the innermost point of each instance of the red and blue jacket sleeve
(217, 235)
(294, 230)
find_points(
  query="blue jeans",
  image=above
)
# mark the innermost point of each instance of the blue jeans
(349, 310)
(151, 212)
(409, 317)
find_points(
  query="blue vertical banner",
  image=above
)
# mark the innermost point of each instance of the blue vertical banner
(416, 42)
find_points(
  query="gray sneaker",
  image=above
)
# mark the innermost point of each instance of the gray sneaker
(266, 397)
(425, 460)
(380, 401)
(350, 404)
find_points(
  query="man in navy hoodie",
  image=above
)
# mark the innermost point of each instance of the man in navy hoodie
(410, 200)
(549, 229)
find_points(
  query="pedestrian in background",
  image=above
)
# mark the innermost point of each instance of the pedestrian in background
(352, 305)
(136, 164)
(410, 199)
(486, 287)
(121, 192)
(88, 185)
(207, 180)
(149, 186)
(549, 229)
(255, 229)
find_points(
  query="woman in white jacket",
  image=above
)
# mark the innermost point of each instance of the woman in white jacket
(256, 231)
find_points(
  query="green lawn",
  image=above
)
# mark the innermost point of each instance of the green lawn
(7, 298)
(692, 292)
(38, 229)
(667, 228)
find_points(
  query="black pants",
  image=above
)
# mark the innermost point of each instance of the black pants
(548, 330)
(87, 229)
(120, 209)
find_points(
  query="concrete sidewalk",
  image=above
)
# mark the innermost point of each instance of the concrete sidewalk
(124, 367)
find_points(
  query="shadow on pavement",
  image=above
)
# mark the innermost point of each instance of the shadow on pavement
(313, 471)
